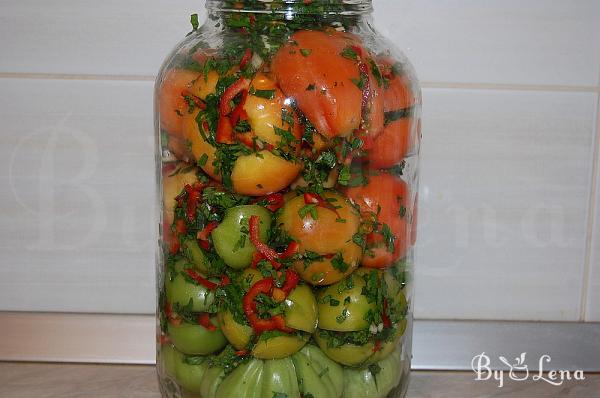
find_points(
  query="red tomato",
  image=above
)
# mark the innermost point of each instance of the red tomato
(392, 145)
(387, 198)
(311, 69)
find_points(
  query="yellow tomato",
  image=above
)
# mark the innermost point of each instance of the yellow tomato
(265, 115)
(262, 173)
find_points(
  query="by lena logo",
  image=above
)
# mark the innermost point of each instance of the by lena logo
(518, 370)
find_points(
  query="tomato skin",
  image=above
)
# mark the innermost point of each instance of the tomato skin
(311, 69)
(386, 197)
(264, 114)
(392, 145)
(171, 102)
(324, 235)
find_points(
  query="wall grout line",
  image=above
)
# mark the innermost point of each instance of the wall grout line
(424, 84)
(592, 209)
(511, 87)
(68, 76)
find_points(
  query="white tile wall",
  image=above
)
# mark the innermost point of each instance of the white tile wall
(505, 184)
(77, 167)
(593, 295)
(91, 37)
(497, 41)
(506, 173)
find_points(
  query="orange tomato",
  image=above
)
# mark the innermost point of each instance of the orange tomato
(311, 69)
(392, 145)
(387, 199)
(325, 235)
(171, 102)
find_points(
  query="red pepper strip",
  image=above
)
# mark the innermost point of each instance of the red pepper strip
(262, 248)
(247, 139)
(198, 103)
(174, 247)
(204, 321)
(256, 258)
(164, 339)
(358, 50)
(180, 227)
(292, 249)
(274, 201)
(192, 201)
(173, 318)
(239, 113)
(202, 281)
(225, 280)
(204, 244)
(246, 58)
(224, 131)
(291, 281)
(378, 345)
(387, 323)
(277, 322)
(230, 93)
(203, 235)
(242, 353)
(313, 198)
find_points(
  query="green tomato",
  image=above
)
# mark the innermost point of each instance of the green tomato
(189, 376)
(347, 354)
(168, 359)
(260, 379)
(360, 383)
(194, 253)
(321, 377)
(301, 309)
(238, 335)
(232, 244)
(388, 347)
(278, 347)
(211, 381)
(343, 307)
(180, 291)
(196, 339)
(308, 371)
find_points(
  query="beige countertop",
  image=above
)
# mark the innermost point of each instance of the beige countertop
(39, 380)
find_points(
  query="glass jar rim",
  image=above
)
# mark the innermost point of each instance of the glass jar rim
(347, 7)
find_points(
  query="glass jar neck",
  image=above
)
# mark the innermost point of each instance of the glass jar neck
(290, 8)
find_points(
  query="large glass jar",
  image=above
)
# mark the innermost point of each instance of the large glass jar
(288, 140)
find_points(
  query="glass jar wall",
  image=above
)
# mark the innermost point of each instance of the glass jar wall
(288, 140)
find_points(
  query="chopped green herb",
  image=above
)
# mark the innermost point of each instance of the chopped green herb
(339, 264)
(389, 237)
(203, 159)
(392, 116)
(343, 316)
(344, 176)
(194, 21)
(267, 94)
(349, 53)
(311, 209)
(305, 52)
